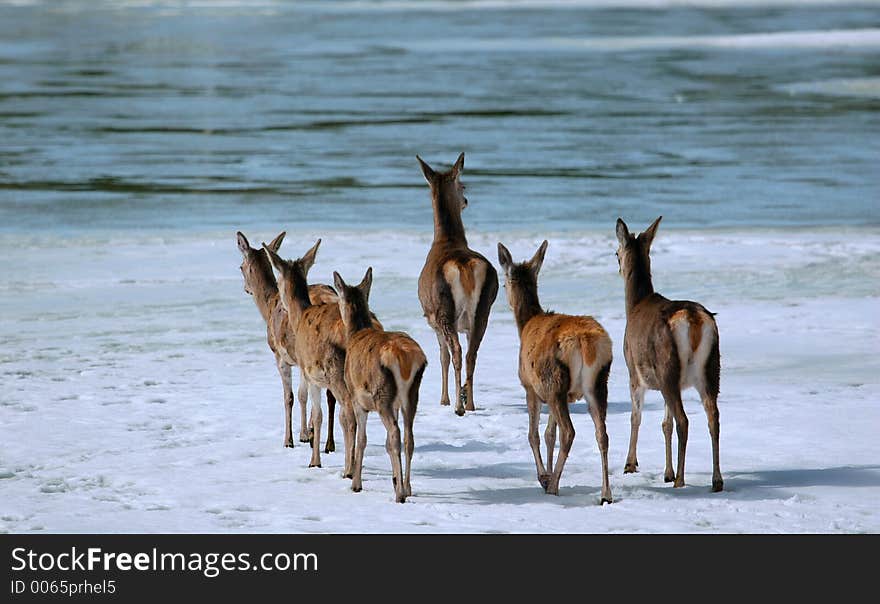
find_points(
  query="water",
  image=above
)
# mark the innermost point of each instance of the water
(148, 117)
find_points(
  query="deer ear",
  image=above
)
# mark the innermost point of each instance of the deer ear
(243, 244)
(429, 173)
(339, 284)
(308, 259)
(622, 232)
(276, 243)
(274, 258)
(458, 166)
(538, 259)
(366, 283)
(504, 257)
(648, 235)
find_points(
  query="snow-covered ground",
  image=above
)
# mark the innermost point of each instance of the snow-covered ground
(138, 394)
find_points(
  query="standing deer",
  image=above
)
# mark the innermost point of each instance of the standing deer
(669, 345)
(383, 372)
(259, 282)
(562, 358)
(318, 335)
(457, 285)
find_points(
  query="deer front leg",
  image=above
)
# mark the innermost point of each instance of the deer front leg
(444, 369)
(331, 409)
(349, 432)
(317, 418)
(534, 405)
(676, 408)
(637, 395)
(455, 347)
(284, 370)
(559, 407)
(302, 394)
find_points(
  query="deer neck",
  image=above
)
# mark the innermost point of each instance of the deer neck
(447, 219)
(359, 319)
(638, 283)
(525, 307)
(299, 301)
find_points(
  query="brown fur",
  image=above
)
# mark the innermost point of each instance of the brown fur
(562, 359)
(457, 286)
(318, 335)
(261, 284)
(658, 359)
(383, 371)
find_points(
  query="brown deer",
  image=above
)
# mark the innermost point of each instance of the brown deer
(457, 285)
(383, 372)
(669, 345)
(318, 335)
(562, 358)
(259, 282)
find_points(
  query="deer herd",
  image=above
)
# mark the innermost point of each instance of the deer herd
(340, 346)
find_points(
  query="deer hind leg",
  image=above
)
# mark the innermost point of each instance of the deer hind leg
(361, 417)
(598, 410)
(317, 418)
(408, 409)
(444, 369)
(669, 472)
(559, 407)
(302, 394)
(451, 338)
(534, 404)
(392, 446)
(637, 395)
(331, 410)
(475, 336)
(349, 432)
(675, 406)
(708, 390)
(284, 370)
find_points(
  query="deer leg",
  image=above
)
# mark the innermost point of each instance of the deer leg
(598, 411)
(674, 404)
(534, 441)
(444, 370)
(475, 338)
(710, 404)
(455, 347)
(669, 472)
(331, 409)
(392, 446)
(550, 441)
(349, 429)
(408, 410)
(559, 407)
(284, 370)
(361, 417)
(637, 395)
(317, 418)
(302, 394)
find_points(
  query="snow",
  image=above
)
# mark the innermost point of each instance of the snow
(139, 394)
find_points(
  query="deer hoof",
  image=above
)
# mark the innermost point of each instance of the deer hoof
(631, 468)
(356, 489)
(444, 402)
(314, 465)
(717, 486)
(330, 447)
(348, 475)
(668, 477)
(544, 480)
(459, 411)
(605, 500)
(288, 444)
(401, 499)
(678, 484)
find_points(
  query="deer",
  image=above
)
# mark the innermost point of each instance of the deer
(259, 282)
(318, 336)
(383, 373)
(457, 286)
(562, 359)
(669, 345)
